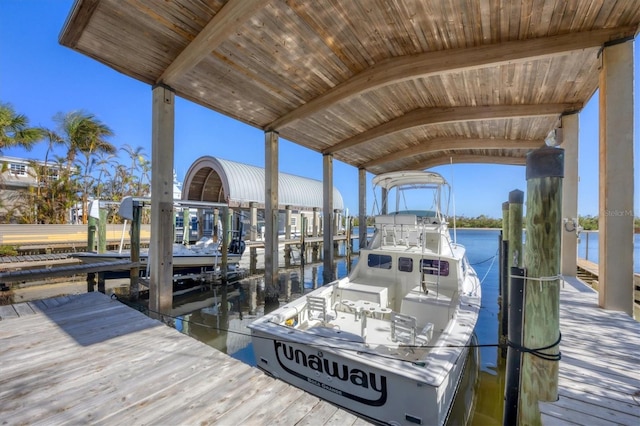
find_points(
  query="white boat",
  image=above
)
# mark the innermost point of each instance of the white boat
(204, 254)
(389, 341)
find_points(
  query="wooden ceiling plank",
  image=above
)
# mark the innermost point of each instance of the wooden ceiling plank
(453, 144)
(76, 22)
(228, 19)
(395, 70)
(430, 116)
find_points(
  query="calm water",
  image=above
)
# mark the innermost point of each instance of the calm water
(219, 318)
(588, 248)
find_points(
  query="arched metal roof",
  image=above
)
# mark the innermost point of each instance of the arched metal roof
(237, 184)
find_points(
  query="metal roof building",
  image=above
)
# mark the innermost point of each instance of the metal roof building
(237, 184)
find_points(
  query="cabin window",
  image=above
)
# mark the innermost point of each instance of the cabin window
(380, 261)
(435, 267)
(405, 264)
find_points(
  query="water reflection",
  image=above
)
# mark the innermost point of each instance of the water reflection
(219, 318)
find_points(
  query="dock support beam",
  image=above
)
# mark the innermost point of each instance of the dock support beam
(287, 222)
(514, 258)
(541, 315)
(362, 208)
(615, 255)
(253, 221)
(271, 140)
(327, 218)
(569, 260)
(161, 244)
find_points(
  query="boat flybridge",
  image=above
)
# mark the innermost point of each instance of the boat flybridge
(389, 341)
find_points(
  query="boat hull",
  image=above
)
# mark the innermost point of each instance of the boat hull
(182, 264)
(345, 378)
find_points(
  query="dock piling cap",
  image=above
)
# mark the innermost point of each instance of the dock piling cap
(545, 162)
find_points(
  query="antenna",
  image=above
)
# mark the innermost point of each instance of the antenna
(453, 201)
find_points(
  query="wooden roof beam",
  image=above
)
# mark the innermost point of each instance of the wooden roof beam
(220, 27)
(428, 116)
(469, 159)
(453, 144)
(398, 69)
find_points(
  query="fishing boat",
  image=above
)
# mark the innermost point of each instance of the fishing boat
(389, 342)
(201, 256)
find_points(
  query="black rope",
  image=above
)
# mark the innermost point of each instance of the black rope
(537, 351)
(484, 261)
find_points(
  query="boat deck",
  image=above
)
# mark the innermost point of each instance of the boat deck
(91, 359)
(599, 381)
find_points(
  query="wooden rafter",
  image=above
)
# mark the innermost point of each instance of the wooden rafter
(227, 20)
(395, 70)
(453, 144)
(430, 116)
(468, 158)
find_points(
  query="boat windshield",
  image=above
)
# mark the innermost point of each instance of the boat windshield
(424, 199)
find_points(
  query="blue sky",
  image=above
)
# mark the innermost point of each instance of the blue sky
(41, 78)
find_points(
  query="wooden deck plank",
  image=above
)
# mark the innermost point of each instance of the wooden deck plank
(91, 359)
(598, 377)
(7, 312)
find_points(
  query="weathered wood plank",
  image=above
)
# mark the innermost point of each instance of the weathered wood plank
(598, 371)
(7, 312)
(91, 359)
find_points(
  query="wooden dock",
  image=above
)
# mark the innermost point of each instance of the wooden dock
(599, 380)
(90, 359)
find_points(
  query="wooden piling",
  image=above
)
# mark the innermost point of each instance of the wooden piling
(516, 197)
(541, 325)
(134, 232)
(503, 300)
(92, 225)
(102, 231)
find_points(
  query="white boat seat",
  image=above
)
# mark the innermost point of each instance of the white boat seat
(317, 308)
(403, 328)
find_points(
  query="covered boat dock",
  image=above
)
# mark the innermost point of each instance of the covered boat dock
(386, 86)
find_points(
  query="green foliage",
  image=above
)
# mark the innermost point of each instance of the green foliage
(588, 223)
(88, 169)
(8, 251)
(481, 221)
(15, 130)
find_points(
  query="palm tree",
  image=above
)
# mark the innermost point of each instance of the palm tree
(85, 137)
(15, 130)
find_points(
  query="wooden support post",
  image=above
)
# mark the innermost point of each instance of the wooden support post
(102, 231)
(314, 232)
(227, 213)
(504, 277)
(362, 208)
(135, 250)
(514, 355)
(253, 221)
(327, 218)
(615, 245)
(92, 225)
(569, 262)
(271, 218)
(101, 283)
(516, 198)
(186, 226)
(161, 245)
(91, 282)
(287, 222)
(505, 221)
(303, 234)
(541, 325)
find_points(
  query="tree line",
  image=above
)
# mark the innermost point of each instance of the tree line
(90, 167)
